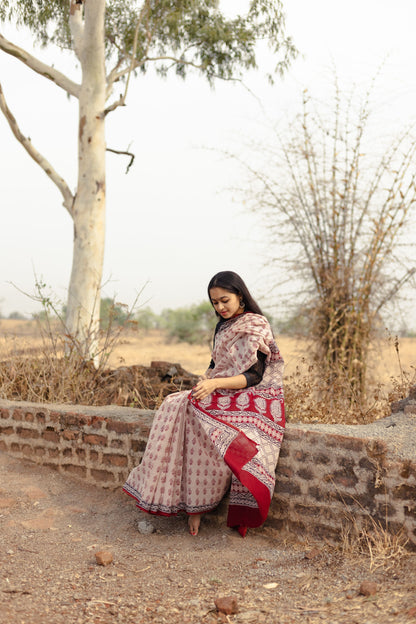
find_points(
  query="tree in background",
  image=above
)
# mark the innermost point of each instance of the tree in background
(113, 313)
(111, 41)
(194, 324)
(342, 213)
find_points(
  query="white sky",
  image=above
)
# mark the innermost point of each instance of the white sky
(170, 222)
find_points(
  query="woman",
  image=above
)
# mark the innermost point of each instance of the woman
(228, 429)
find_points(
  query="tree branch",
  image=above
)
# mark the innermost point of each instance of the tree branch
(37, 156)
(125, 153)
(133, 64)
(39, 67)
(76, 26)
(176, 61)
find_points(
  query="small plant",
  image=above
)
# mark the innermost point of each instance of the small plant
(384, 548)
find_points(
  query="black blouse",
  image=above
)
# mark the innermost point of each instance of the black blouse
(255, 373)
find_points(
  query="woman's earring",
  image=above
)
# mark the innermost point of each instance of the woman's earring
(242, 304)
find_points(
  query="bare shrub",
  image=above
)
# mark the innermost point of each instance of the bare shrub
(336, 212)
(57, 372)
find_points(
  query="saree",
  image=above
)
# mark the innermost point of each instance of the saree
(197, 450)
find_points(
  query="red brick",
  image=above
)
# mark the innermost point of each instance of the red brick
(343, 442)
(314, 438)
(6, 430)
(405, 492)
(18, 414)
(102, 475)
(94, 439)
(4, 413)
(119, 426)
(53, 452)
(321, 459)
(376, 448)
(94, 456)
(27, 450)
(50, 465)
(301, 456)
(3, 446)
(50, 436)
(54, 417)
(115, 460)
(407, 469)
(306, 474)
(75, 420)
(79, 471)
(29, 417)
(39, 451)
(138, 446)
(284, 471)
(117, 444)
(144, 430)
(40, 417)
(70, 435)
(345, 481)
(97, 422)
(284, 451)
(27, 433)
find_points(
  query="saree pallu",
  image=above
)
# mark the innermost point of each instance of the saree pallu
(197, 448)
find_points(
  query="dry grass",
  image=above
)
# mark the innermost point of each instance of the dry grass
(381, 547)
(33, 366)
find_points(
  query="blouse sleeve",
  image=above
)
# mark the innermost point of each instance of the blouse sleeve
(254, 374)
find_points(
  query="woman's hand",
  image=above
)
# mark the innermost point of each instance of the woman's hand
(203, 388)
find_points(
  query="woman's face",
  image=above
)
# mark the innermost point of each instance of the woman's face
(226, 303)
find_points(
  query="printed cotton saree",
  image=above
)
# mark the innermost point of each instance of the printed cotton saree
(196, 448)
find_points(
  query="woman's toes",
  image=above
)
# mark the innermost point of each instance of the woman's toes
(193, 522)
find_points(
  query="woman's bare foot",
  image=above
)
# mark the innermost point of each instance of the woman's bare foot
(193, 522)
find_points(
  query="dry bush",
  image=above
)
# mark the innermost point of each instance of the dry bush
(307, 398)
(55, 372)
(51, 379)
(376, 541)
(337, 207)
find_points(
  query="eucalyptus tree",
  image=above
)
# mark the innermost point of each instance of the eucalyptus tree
(112, 41)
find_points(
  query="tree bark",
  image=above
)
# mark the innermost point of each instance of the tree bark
(83, 308)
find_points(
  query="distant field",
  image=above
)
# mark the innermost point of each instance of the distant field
(138, 347)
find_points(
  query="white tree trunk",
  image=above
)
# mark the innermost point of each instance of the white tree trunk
(89, 207)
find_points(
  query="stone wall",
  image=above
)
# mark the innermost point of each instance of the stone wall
(328, 476)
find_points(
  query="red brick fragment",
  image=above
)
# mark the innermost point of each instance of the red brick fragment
(104, 557)
(368, 588)
(227, 605)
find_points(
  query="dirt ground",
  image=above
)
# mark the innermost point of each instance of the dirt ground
(52, 527)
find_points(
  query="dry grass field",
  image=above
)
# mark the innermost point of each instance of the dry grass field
(139, 347)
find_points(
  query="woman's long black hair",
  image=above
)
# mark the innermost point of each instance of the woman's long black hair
(228, 280)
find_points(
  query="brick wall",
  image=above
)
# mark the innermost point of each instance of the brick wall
(97, 445)
(326, 481)
(327, 475)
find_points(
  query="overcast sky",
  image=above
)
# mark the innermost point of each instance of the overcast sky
(171, 223)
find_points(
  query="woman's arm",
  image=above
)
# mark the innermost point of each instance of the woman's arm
(204, 387)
